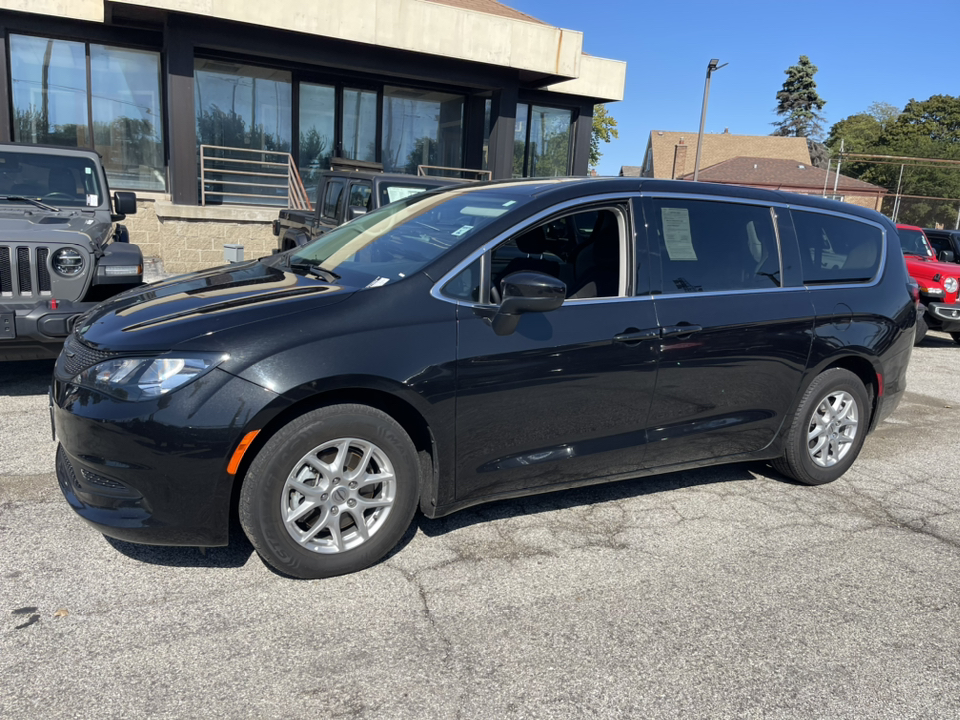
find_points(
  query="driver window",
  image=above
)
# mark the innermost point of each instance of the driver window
(582, 249)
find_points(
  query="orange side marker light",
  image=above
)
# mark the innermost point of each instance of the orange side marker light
(241, 449)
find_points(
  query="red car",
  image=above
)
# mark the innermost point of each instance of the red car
(937, 281)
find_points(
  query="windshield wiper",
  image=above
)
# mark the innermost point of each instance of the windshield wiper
(314, 269)
(21, 198)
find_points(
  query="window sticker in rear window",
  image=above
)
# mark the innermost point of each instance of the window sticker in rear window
(676, 233)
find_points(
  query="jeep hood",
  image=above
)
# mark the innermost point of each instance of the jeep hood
(920, 267)
(22, 225)
(163, 315)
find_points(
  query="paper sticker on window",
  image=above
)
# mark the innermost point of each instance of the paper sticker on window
(395, 193)
(676, 234)
(378, 282)
(93, 200)
(462, 231)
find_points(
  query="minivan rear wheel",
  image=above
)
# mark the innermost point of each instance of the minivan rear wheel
(332, 492)
(828, 429)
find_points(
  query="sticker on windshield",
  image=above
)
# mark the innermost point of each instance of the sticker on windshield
(92, 200)
(462, 231)
(378, 282)
(395, 192)
(676, 233)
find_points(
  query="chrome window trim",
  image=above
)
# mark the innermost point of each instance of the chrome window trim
(436, 290)
(800, 208)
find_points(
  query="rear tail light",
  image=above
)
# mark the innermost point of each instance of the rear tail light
(914, 289)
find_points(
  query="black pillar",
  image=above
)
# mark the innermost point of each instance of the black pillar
(473, 130)
(503, 119)
(6, 133)
(582, 134)
(181, 113)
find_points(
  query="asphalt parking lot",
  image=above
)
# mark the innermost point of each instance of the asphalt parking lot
(718, 593)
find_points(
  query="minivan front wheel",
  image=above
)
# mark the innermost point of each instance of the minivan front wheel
(332, 492)
(828, 429)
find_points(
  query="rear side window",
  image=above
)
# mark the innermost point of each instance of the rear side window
(835, 249)
(710, 246)
(331, 199)
(360, 194)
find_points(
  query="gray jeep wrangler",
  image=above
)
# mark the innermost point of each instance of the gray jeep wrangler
(61, 251)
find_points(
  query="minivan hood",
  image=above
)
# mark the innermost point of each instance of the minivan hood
(165, 314)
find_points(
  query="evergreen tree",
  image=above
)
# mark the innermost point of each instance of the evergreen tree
(798, 102)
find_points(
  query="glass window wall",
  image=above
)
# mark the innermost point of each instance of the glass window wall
(359, 125)
(318, 107)
(127, 119)
(53, 104)
(542, 144)
(421, 128)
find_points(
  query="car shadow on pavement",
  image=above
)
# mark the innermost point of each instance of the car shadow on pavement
(937, 339)
(594, 494)
(21, 378)
(234, 555)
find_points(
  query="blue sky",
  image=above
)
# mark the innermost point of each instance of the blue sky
(866, 52)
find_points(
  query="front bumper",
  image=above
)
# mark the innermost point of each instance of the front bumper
(154, 472)
(29, 332)
(944, 316)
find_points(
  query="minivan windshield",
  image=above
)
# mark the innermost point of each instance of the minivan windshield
(914, 242)
(404, 237)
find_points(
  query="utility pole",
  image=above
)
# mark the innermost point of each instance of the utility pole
(711, 66)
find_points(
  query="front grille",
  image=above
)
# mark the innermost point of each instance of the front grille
(24, 271)
(6, 278)
(78, 357)
(43, 274)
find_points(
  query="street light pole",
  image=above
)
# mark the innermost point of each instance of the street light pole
(703, 112)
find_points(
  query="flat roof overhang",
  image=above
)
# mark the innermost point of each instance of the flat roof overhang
(543, 55)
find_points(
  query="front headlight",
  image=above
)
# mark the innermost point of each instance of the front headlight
(950, 285)
(145, 378)
(67, 262)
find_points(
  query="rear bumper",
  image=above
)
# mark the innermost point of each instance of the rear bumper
(29, 332)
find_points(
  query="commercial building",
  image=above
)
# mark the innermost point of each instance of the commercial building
(192, 103)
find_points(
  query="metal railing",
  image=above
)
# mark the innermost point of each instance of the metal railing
(478, 174)
(254, 177)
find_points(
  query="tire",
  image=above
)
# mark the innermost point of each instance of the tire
(309, 514)
(826, 456)
(956, 337)
(922, 327)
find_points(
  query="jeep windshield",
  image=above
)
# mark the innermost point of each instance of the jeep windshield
(913, 242)
(404, 237)
(54, 180)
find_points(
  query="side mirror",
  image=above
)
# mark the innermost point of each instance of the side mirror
(947, 256)
(125, 203)
(355, 211)
(524, 292)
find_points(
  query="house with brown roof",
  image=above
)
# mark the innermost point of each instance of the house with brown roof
(673, 154)
(764, 161)
(792, 176)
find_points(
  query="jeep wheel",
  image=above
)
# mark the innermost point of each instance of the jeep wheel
(922, 327)
(828, 429)
(331, 493)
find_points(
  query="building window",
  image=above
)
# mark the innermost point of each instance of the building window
(542, 144)
(118, 112)
(359, 125)
(421, 128)
(243, 106)
(318, 119)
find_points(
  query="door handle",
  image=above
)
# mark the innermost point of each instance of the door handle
(678, 330)
(632, 335)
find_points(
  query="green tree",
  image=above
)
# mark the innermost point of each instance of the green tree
(798, 102)
(604, 130)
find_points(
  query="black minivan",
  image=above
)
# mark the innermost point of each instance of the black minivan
(477, 343)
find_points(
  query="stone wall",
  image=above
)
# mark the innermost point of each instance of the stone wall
(188, 238)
